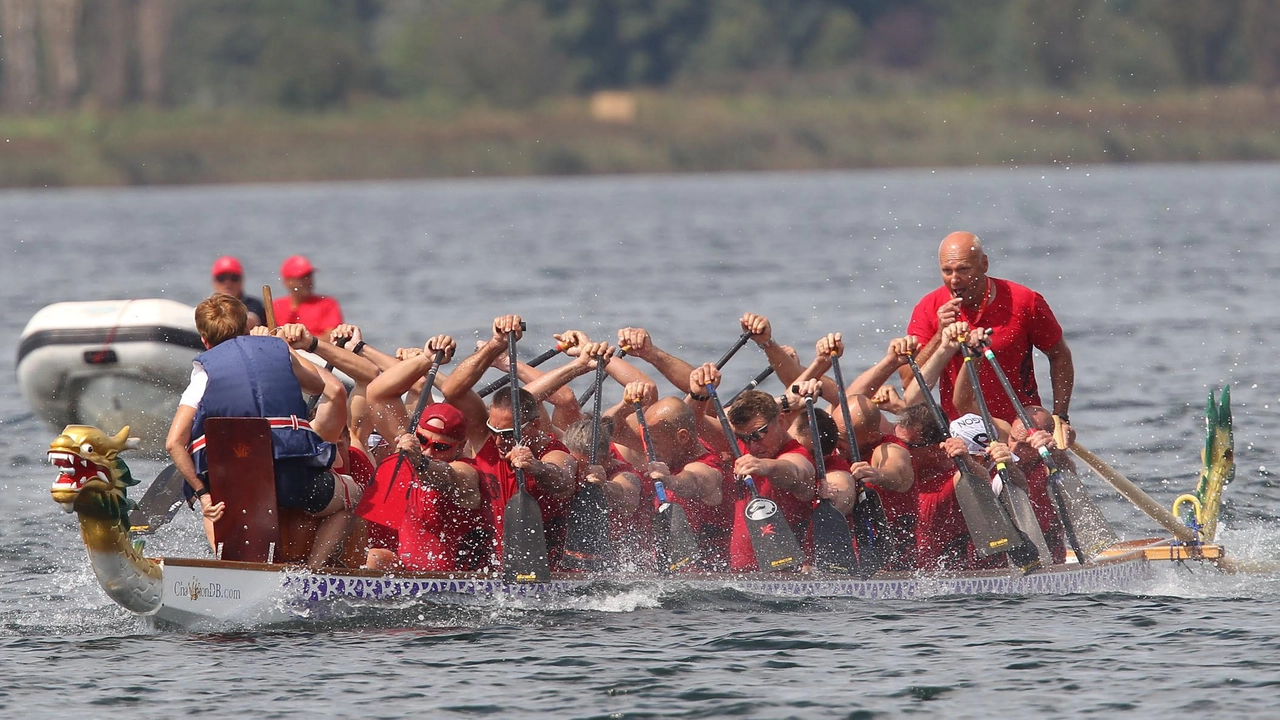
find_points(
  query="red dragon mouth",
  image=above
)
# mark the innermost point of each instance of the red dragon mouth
(74, 471)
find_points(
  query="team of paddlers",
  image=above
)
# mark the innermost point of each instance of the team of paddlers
(727, 472)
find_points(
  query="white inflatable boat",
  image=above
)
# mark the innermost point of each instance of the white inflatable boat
(108, 363)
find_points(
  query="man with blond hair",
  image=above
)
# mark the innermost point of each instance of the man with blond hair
(259, 376)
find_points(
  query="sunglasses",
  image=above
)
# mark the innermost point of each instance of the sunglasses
(505, 432)
(228, 277)
(428, 443)
(755, 435)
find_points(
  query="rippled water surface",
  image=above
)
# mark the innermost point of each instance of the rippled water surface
(1164, 278)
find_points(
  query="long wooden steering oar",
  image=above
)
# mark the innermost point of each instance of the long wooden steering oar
(870, 525)
(673, 537)
(586, 544)
(772, 541)
(989, 525)
(832, 542)
(1017, 501)
(524, 543)
(1135, 495)
(1085, 526)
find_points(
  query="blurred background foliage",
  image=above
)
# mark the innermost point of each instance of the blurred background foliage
(313, 54)
(513, 69)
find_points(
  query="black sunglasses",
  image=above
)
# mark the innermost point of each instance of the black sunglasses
(228, 277)
(755, 434)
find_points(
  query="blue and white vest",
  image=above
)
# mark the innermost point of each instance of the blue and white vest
(252, 376)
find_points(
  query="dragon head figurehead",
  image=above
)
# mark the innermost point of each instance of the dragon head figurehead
(91, 475)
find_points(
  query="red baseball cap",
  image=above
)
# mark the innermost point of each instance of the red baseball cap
(227, 264)
(445, 421)
(296, 267)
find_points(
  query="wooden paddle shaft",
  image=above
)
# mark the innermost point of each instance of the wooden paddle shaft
(1135, 495)
(269, 306)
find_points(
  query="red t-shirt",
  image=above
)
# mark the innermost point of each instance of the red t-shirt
(795, 511)
(1020, 319)
(433, 527)
(940, 524)
(713, 524)
(498, 485)
(319, 313)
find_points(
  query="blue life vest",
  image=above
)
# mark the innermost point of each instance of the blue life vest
(252, 376)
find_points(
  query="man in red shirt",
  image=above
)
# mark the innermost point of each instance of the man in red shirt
(1018, 317)
(551, 473)
(319, 313)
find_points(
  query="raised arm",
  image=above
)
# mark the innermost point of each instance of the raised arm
(457, 387)
(784, 364)
(636, 341)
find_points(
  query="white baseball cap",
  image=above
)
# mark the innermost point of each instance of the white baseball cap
(973, 431)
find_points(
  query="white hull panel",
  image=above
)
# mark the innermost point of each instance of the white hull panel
(203, 592)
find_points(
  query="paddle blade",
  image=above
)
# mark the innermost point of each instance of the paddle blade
(1081, 516)
(832, 542)
(872, 533)
(586, 545)
(160, 503)
(772, 541)
(989, 526)
(676, 545)
(1024, 517)
(524, 544)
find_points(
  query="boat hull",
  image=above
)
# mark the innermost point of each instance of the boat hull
(200, 592)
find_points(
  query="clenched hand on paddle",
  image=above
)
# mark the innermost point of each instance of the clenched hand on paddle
(586, 544)
(524, 542)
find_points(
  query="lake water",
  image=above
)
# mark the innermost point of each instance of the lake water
(1164, 278)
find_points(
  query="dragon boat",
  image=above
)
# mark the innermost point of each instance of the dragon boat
(194, 592)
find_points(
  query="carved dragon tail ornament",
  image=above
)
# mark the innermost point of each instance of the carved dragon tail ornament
(92, 482)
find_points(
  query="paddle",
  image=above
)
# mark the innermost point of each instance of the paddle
(870, 526)
(1086, 527)
(524, 543)
(1016, 499)
(989, 526)
(159, 504)
(772, 541)
(586, 544)
(417, 416)
(328, 367)
(502, 382)
(674, 541)
(832, 543)
(755, 382)
(595, 386)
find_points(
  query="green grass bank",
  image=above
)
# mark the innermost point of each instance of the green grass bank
(671, 132)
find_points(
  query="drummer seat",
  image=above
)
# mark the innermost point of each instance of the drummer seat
(242, 474)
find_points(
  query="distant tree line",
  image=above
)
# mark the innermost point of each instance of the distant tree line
(311, 54)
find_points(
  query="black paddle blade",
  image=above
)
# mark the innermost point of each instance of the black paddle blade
(774, 544)
(872, 532)
(832, 542)
(989, 526)
(1086, 526)
(524, 546)
(1024, 517)
(586, 545)
(159, 503)
(676, 545)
